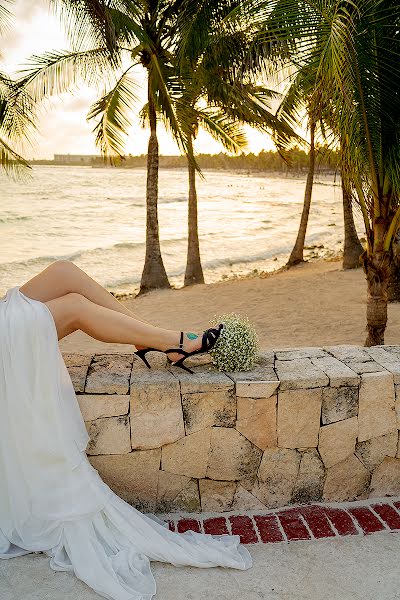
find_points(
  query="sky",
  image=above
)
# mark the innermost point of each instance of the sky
(63, 127)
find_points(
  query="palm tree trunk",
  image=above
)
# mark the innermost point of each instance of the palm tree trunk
(377, 270)
(394, 277)
(352, 246)
(296, 255)
(194, 271)
(154, 275)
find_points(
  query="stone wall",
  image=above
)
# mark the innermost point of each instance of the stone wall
(309, 424)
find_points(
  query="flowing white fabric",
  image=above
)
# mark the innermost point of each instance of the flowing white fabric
(51, 498)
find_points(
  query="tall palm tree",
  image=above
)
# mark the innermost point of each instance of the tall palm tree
(353, 248)
(144, 33)
(230, 103)
(357, 80)
(221, 71)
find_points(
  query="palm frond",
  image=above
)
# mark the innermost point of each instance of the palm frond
(115, 110)
(59, 71)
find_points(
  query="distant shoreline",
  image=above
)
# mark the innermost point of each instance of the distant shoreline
(296, 161)
(289, 172)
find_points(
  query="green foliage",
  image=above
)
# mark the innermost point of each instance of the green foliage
(237, 347)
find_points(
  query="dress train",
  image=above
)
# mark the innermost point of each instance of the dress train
(51, 498)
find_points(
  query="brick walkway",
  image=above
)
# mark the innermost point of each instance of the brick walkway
(309, 522)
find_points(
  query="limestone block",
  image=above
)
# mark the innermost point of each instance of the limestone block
(392, 349)
(339, 403)
(373, 451)
(109, 374)
(260, 382)
(298, 353)
(204, 409)
(346, 480)
(156, 410)
(366, 367)
(244, 500)
(132, 476)
(256, 389)
(216, 496)
(170, 484)
(108, 436)
(386, 479)
(256, 420)
(299, 373)
(203, 379)
(348, 353)
(232, 456)
(387, 360)
(299, 413)
(75, 359)
(77, 365)
(376, 414)
(95, 406)
(397, 405)
(172, 490)
(78, 376)
(276, 476)
(310, 480)
(188, 499)
(337, 441)
(339, 374)
(157, 360)
(189, 455)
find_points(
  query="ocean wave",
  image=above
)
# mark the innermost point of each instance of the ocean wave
(15, 218)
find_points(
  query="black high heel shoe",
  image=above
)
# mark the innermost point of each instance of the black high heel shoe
(209, 338)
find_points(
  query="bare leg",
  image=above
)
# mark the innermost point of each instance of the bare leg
(62, 277)
(76, 301)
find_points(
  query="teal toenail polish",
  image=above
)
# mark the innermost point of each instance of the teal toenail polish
(192, 336)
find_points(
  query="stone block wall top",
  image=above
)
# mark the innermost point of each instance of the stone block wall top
(299, 373)
(75, 359)
(339, 373)
(109, 374)
(260, 382)
(296, 353)
(388, 360)
(204, 379)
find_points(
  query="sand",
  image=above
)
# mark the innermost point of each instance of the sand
(312, 304)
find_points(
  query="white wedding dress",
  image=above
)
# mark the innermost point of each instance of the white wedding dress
(51, 498)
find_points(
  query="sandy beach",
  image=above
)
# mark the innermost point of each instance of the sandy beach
(313, 304)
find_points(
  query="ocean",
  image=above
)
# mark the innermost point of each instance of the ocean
(96, 218)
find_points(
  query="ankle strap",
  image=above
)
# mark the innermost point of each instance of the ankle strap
(181, 340)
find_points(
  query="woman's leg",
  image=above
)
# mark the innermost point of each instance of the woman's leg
(78, 302)
(63, 277)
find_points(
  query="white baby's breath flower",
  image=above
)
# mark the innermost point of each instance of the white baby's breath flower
(237, 346)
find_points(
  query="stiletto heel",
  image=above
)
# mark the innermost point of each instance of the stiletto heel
(141, 353)
(209, 338)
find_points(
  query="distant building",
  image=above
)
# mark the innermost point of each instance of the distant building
(75, 159)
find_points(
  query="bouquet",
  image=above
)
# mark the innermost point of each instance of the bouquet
(237, 346)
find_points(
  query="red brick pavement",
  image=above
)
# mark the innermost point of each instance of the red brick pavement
(308, 522)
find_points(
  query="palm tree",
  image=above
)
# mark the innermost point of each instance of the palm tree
(353, 248)
(357, 81)
(15, 115)
(229, 104)
(221, 71)
(297, 253)
(144, 32)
